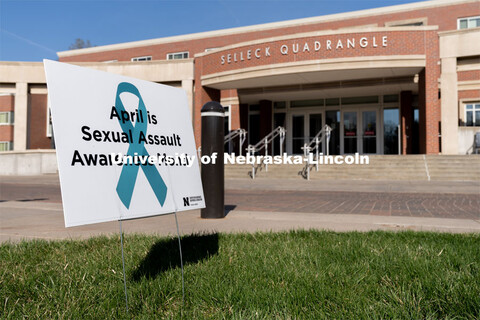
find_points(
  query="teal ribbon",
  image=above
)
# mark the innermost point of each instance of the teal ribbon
(128, 176)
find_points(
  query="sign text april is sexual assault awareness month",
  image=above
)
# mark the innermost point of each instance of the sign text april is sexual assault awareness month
(127, 137)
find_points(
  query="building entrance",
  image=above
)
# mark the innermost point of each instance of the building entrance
(365, 124)
(353, 130)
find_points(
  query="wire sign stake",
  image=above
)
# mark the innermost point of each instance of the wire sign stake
(123, 264)
(181, 259)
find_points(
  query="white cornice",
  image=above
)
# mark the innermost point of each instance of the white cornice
(269, 26)
(461, 31)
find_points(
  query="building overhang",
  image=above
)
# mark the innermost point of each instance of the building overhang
(350, 88)
(317, 71)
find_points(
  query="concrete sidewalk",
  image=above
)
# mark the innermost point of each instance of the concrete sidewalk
(42, 220)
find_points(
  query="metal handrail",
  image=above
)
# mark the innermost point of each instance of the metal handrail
(230, 136)
(241, 133)
(325, 132)
(263, 144)
(269, 138)
(326, 129)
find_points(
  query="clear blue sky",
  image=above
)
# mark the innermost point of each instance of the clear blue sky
(34, 30)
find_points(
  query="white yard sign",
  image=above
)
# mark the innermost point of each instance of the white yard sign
(125, 147)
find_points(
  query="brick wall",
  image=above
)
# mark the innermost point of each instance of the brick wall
(230, 93)
(7, 103)
(468, 75)
(235, 116)
(432, 107)
(37, 122)
(202, 96)
(469, 94)
(270, 53)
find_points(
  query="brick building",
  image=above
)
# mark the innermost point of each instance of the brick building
(400, 79)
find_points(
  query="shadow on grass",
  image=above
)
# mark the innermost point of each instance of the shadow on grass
(164, 254)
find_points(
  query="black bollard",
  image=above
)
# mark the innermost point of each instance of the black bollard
(213, 173)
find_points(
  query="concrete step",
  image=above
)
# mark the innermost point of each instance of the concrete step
(470, 170)
(381, 167)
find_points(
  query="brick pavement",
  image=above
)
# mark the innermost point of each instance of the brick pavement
(31, 208)
(241, 195)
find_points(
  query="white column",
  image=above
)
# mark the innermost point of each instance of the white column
(187, 85)
(20, 127)
(449, 106)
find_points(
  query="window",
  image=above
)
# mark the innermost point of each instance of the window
(307, 103)
(253, 124)
(254, 107)
(6, 118)
(390, 98)
(467, 61)
(5, 145)
(228, 147)
(226, 118)
(177, 55)
(412, 24)
(360, 100)
(145, 58)
(49, 120)
(332, 102)
(408, 23)
(472, 114)
(470, 22)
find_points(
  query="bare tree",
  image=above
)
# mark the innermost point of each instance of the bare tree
(80, 44)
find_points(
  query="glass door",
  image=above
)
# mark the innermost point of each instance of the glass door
(314, 126)
(304, 127)
(333, 120)
(369, 131)
(391, 123)
(253, 128)
(298, 133)
(350, 119)
(279, 120)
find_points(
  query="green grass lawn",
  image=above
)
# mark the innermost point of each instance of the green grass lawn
(298, 275)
